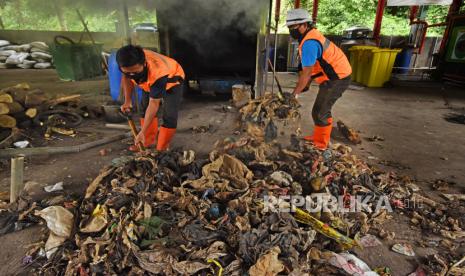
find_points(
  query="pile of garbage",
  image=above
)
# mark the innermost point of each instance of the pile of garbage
(247, 209)
(171, 213)
(30, 55)
(258, 116)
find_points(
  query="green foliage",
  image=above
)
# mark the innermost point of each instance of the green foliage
(42, 15)
(335, 16)
(152, 227)
(101, 15)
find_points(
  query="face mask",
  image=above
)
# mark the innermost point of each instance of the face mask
(295, 34)
(139, 77)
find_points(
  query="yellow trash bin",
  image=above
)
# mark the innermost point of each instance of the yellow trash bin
(377, 66)
(355, 52)
(356, 60)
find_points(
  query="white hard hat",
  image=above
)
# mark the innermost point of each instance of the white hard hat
(297, 16)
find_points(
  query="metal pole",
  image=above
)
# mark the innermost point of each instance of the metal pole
(315, 11)
(105, 66)
(276, 19)
(267, 49)
(413, 13)
(127, 30)
(453, 9)
(378, 21)
(274, 60)
(432, 52)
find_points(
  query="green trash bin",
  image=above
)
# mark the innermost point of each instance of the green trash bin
(76, 61)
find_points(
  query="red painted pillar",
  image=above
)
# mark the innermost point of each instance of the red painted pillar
(315, 11)
(378, 21)
(453, 9)
(296, 4)
(277, 11)
(413, 13)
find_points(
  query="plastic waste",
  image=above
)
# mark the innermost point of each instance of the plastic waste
(324, 229)
(21, 144)
(98, 220)
(17, 58)
(281, 178)
(268, 264)
(351, 264)
(369, 241)
(404, 249)
(54, 188)
(60, 222)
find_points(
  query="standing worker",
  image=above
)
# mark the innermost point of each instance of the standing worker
(160, 77)
(324, 62)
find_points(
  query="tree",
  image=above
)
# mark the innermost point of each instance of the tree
(61, 18)
(335, 16)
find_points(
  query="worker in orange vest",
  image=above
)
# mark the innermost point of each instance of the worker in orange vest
(324, 62)
(161, 78)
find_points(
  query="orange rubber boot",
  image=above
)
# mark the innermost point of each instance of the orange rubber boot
(151, 133)
(164, 138)
(150, 136)
(322, 135)
(311, 138)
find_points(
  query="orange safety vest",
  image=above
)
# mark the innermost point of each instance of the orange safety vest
(333, 64)
(159, 66)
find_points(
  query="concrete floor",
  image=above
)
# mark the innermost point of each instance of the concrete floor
(418, 143)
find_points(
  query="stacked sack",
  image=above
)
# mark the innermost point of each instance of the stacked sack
(32, 55)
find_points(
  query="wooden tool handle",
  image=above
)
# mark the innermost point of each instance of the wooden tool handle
(132, 125)
(280, 90)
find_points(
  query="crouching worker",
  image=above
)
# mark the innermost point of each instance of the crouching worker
(324, 62)
(160, 77)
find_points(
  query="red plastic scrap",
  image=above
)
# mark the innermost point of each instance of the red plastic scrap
(315, 166)
(221, 220)
(398, 203)
(83, 271)
(346, 197)
(330, 177)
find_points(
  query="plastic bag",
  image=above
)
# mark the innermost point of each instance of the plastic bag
(41, 55)
(59, 220)
(351, 264)
(7, 53)
(39, 45)
(42, 65)
(4, 43)
(17, 58)
(24, 66)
